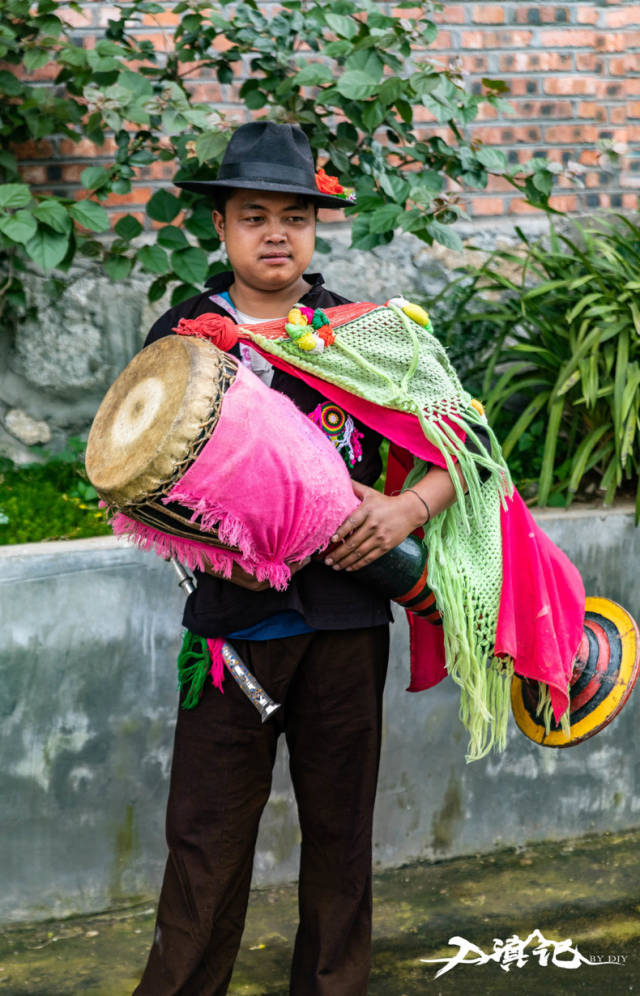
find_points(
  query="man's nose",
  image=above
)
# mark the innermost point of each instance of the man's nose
(276, 232)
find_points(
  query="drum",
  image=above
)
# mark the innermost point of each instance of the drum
(604, 673)
(197, 459)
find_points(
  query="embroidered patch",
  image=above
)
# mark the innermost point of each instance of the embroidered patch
(340, 429)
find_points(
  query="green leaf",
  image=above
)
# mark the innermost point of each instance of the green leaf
(90, 215)
(182, 292)
(20, 226)
(345, 27)
(14, 195)
(47, 248)
(172, 238)
(313, 74)
(157, 289)
(163, 206)
(356, 85)
(118, 267)
(190, 265)
(127, 227)
(35, 58)
(385, 218)
(210, 145)
(153, 259)
(53, 214)
(9, 84)
(493, 160)
(94, 177)
(445, 235)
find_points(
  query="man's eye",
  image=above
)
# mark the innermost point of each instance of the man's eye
(297, 218)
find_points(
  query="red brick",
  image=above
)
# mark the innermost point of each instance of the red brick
(618, 115)
(166, 19)
(35, 175)
(84, 149)
(484, 206)
(620, 65)
(610, 89)
(71, 172)
(488, 14)
(443, 41)
(33, 150)
(633, 109)
(567, 38)
(496, 39)
(580, 134)
(518, 206)
(589, 62)
(160, 41)
(45, 74)
(474, 63)
(107, 13)
(564, 202)
(543, 13)
(570, 85)
(507, 135)
(138, 195)
(630, 202)
(75, 18)
(624, 17)
(158, 171)
(632, 86)
(621, 42)
(451, 14)
(547, 109)
(592, 109)
(587, 15)
(534, 62)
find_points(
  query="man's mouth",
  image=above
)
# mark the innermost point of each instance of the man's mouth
(275, 255)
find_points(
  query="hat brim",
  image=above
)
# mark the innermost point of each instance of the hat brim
(208, 189)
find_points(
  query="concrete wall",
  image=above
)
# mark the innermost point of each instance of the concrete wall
(87, 700)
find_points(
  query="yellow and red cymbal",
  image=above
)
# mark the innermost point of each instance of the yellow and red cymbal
(604, 674)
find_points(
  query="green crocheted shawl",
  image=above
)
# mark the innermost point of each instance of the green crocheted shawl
(387, 358)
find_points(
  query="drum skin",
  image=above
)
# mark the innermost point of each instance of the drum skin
(604, 674)
(151, 417)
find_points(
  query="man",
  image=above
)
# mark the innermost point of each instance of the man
(320, 647)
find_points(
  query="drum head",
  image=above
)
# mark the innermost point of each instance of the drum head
(603, 676)
(153, 416)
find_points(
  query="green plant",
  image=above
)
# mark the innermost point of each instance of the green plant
(567, 350)
(352, 75)
(49, 500)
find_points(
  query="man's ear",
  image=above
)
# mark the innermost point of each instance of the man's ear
(217, 218)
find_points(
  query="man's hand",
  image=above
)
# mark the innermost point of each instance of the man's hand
(244, 580)
(376, 526)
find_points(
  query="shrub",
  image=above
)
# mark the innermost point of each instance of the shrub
(50, 500)
(567, 354)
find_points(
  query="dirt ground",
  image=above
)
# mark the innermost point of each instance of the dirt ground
(585, 892)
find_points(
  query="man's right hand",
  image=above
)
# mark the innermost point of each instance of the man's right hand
(244, 580)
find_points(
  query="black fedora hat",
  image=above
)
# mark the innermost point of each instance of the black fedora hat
(264, 155)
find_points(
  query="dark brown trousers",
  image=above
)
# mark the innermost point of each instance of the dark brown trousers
(330, 684)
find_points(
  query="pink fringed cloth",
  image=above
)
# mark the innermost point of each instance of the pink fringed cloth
(271, 485)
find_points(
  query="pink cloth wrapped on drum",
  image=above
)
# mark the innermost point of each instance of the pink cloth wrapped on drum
(269, 481)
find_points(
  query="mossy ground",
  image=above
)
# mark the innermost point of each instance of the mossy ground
(586, 890)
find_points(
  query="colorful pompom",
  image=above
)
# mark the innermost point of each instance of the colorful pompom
(319, 319)
(295, 317)
(479, 407)
(306, 342)
(417, 313)
(295, 331)
(306, 313)
(326, 333)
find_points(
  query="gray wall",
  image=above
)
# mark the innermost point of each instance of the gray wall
(87, 701)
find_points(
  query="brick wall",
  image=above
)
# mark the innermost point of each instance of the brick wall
(573, 69)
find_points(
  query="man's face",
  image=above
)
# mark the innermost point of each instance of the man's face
(269, 237)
